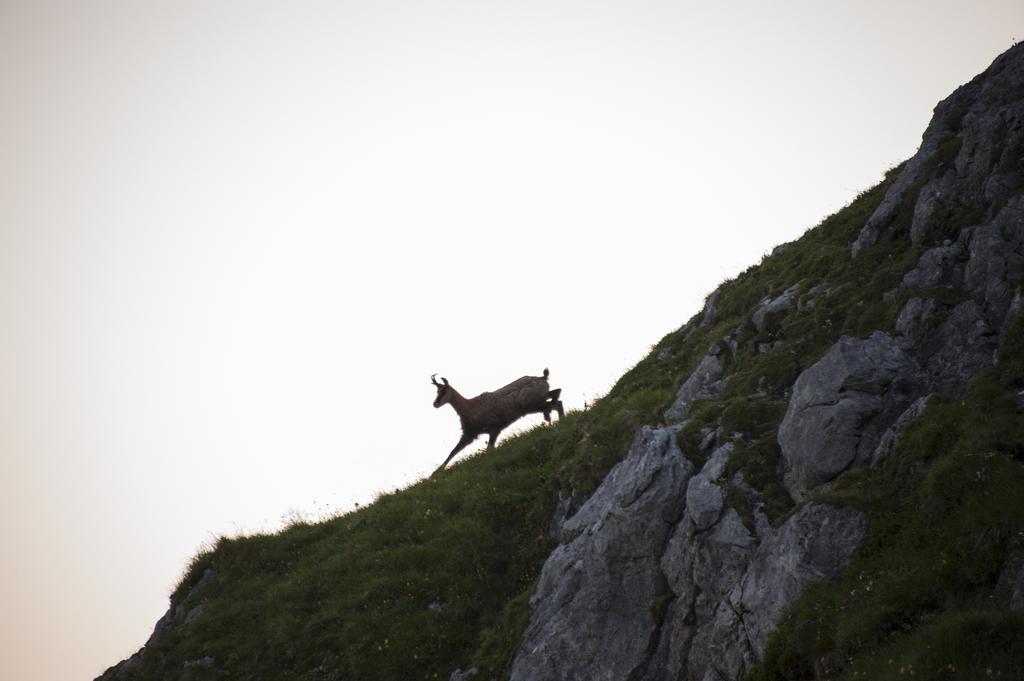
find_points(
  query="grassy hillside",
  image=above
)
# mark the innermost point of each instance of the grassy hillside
(437, 576)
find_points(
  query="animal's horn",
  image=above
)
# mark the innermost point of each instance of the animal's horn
(444, 380)
(433, 379)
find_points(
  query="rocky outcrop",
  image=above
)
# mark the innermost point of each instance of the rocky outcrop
(705, 498)
(840, 407)
(667, 581)
(969, 165)
(704, 382)
(710, 312)
(696, 597)
(771, 306)
(606, 581)
(816, 543)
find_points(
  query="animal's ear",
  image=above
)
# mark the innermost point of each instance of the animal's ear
(546, 372)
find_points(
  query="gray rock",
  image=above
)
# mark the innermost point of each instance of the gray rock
(668, 661)
(709, 436)
(886, 211)
(995, 261)
(714, 468)
(701, 569)
(705, 382)
(814, 544)
(704, 501)
(642, 593)
(459, 675)
(840, 407)
(606, 580)
(962, 345)
(891, 437)
(1016, 305)
(939, 266)
(932, 197)
(719, 650)
(562, 512)
(207, 661)
(782, 247)
(762, 525)
(914, 316)
(162, 626)
(786, 301)
(710, 312)
(732, 344)
(970, 151)
(1009, 591)
(720, 559)
(677, 563)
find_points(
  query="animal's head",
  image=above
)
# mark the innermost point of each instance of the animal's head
(444, 391)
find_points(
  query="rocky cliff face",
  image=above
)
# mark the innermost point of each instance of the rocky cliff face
(662, 580)
(673, 570)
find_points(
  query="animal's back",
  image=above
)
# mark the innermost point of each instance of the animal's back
(507, 404)
(525, 391)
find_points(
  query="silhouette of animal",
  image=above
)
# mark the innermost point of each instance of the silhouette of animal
(494, 411)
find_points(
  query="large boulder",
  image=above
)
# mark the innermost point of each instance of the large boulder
(840, 407)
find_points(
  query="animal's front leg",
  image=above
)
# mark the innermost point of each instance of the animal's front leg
(465, 440)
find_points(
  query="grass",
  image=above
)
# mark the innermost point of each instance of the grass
(438, 576)
(944, 511)
(425, 580)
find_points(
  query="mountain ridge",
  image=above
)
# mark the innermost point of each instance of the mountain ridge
(867, 377)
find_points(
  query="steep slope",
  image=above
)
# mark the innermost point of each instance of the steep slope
(824, 481)
(872, 378)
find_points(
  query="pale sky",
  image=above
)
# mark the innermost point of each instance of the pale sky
(237, 238)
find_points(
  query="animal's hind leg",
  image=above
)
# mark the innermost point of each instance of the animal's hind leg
(553, 397)
(548, 406)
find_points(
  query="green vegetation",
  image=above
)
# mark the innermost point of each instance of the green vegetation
(438, 576)
(944, 511)
(425, 580)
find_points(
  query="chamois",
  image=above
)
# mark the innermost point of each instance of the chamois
(493, 412)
